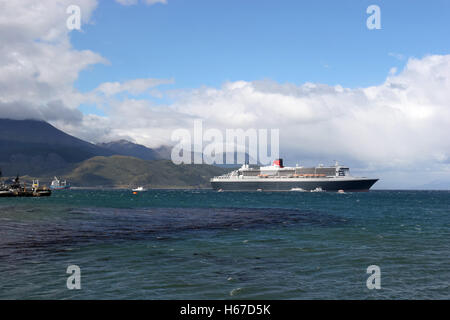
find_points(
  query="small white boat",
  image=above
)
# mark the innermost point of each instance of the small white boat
(318, 189)
(298, 189)
(139, 189)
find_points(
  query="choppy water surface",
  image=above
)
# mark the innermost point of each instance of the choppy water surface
(207, 245)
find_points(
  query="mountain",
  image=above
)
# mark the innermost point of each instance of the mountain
(164, 152)
(124, 171)
(127, 148)
(35, 147)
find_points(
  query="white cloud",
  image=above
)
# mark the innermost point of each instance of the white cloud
(127, 2)
(38, 65)
(134, 2)
(392, 71)
(397, 56)
(150, 2)
(136, 86)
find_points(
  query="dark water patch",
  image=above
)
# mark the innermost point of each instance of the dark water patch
(96, 225)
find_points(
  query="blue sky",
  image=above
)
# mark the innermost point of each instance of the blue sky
(203, 42)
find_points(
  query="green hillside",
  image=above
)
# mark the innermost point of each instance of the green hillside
(123, 171)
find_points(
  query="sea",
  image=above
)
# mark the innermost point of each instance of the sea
(201, 244)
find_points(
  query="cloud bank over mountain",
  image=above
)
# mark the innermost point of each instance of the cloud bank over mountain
(399, 126)
(398, 123)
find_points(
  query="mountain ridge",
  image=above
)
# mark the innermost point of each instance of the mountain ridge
(36, 149)
(128, 148)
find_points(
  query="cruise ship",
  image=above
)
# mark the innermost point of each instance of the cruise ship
(280, 178)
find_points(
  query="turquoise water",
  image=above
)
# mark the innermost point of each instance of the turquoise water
(207, 245)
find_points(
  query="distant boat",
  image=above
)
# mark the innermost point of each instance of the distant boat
(139, 189)
(16, 189)
(59, 184)
(298, 189)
